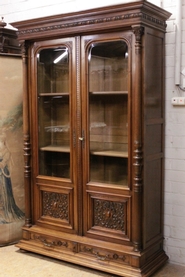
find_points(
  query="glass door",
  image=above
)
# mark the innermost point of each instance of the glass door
(108, 112)
(53, 112)
(53, 132)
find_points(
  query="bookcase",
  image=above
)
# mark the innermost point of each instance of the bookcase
(94, 137)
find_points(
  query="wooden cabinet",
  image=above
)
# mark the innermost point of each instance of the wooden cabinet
(8, 40)
(94, 137)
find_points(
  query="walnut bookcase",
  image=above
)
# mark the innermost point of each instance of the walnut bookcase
(94, 137)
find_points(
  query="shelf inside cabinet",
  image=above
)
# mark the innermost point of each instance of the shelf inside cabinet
(56, 148)
(54, 94)
(110, 153)
(108, 92)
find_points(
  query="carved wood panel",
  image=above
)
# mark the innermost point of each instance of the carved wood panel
(102, 255)
(56, 205)
(109, 214)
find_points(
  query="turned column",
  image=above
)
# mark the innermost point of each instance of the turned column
(137, 140)
(26, 137)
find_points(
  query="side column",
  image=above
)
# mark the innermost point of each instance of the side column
(26, 136)
(137, 140)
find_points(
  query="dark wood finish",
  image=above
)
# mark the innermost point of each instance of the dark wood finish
(8, 40)
(106, 212)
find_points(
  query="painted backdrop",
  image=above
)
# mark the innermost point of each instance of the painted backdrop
(11, 149)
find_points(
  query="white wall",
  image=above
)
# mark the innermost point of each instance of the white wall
(174, 232)
(174, 217)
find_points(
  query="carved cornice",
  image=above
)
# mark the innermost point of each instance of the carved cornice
(81, 23)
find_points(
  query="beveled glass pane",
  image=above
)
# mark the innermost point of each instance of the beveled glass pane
(53, 112)
(108, 107)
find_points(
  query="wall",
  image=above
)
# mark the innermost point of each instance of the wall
(175, 146)
(174, 214)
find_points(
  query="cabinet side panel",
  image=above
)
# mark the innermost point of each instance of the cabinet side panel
(153, 203)
(153, 137)
(154, 75)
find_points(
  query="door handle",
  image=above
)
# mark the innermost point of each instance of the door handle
(82, 138)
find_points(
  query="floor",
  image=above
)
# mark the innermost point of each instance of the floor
(13, 263)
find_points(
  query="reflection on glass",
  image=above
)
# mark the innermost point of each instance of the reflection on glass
(108, 106)
(53, 112)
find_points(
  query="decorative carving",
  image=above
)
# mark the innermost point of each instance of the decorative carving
(24, 49)
(109, 214)
(121, 17)
(137, 197)
(138, 31)
(69, 44)
(50, 243)
(105, 256)
(86, 42)
(72, 246)
(55, 205)
(27, 149)
(137, 167)
(74, 139)
(88, 249)
(117, 257)
(75, 247)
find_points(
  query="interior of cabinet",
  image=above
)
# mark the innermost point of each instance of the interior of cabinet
(108, 105)
(53, 116)
(53, 74)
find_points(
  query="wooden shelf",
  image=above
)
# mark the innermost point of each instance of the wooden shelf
(54, 94)
(108, 92)
(57, 128)
(97, 182)
(55, 148)
(110, 153)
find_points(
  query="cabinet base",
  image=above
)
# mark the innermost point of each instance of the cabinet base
(114, 259)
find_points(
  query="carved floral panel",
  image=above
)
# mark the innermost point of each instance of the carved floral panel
(109, 214)
(55, 205)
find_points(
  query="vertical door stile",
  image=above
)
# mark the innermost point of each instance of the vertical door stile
(79, 131)
(83, 137)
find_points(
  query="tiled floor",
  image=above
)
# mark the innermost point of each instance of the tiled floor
(13, 263)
